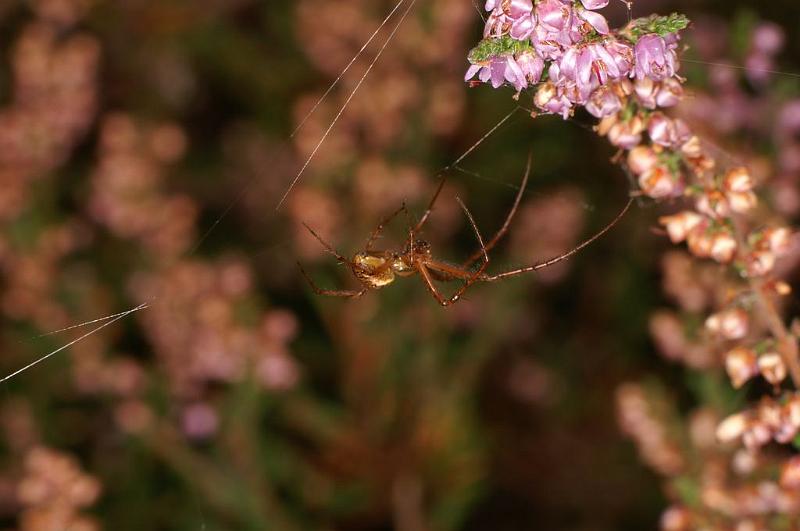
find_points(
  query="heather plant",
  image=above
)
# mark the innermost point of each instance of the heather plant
(627, 78)
(146, 177)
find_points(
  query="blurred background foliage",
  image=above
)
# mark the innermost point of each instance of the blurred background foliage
(144, 146)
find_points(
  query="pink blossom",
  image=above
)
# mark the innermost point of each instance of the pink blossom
(659, 183)
(603, 102)
(666, 131)
(655, 58)
(549, 99)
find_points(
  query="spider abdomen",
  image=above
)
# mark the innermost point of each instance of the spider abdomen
(373, 270)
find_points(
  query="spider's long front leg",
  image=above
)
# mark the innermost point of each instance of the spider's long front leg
(428, 210)
(504, 228)
(328, 247)
(351, 294)
(379, 229)
(555, 260)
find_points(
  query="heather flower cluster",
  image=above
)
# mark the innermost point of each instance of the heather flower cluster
(567, 55)
(566, 51)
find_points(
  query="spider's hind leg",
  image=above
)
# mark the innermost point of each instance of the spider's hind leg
(504, 228)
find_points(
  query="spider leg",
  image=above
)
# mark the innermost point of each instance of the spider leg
(326, 245)
(504, 228)
(330, 292)
(379, 229)
(547, 263)
(470, 279)
(427, 213)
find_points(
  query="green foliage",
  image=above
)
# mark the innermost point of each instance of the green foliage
(496, 47)
(655, 24)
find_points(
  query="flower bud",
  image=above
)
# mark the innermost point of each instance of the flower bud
(757, 435)
(713, 204)
(680, 225)
(723, 247)
(646, 90)
(779, 239)
(730, 324)
(666, 131)
(759, 263)
(659, 183)
(742, 202)
(738, 180)
(700, 242)
(670, 93)
(627, 135)
(732, 427)
(772, 367)
(603, 102)
(642, 159)
(693, 147)
(741, 365)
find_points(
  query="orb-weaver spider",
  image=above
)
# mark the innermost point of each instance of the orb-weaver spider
(376, 269)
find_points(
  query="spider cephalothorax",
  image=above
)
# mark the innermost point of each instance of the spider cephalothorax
(376, 269)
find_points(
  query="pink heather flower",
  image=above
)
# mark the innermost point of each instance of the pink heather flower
(554, 16)
(603, 102)
(532, 66)
(668, 132)
(670, 93)
(626, 135)
(521, 12)
(603, 63)
(574, 70)
(713, 204)
(646, 91)
(652, 94)
(659, 183)
(622, 54)
(655, 58)
(498, 20)
(595, 20)
(549, 99)
(514, 74)
(494, 71)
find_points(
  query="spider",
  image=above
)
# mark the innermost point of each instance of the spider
(375, 269)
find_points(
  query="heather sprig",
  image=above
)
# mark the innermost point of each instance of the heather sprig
(628, 79)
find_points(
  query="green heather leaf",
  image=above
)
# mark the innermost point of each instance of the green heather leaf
(655, 24)
(488, 48)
